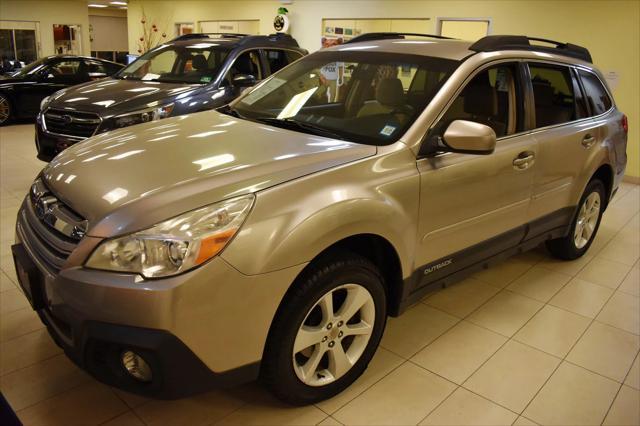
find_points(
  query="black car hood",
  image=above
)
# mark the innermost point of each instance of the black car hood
(111, 96)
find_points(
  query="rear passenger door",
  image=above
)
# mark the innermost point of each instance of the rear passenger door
(566, 137)
(474, 206)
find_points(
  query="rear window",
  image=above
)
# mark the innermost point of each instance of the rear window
(553, 93)
(595, 92)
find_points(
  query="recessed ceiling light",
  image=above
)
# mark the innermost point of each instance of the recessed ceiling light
(97, 5)
(118, 3)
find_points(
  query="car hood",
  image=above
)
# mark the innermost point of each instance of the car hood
(110, 96)
(129, 179)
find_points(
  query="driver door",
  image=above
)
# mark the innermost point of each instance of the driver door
(475, 206)
(61, 74)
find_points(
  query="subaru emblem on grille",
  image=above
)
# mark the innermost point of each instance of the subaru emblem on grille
(53, 213)
(67, 119)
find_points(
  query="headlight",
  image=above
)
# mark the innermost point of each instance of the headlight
(44, 102)
(175, 245)
(142, 116)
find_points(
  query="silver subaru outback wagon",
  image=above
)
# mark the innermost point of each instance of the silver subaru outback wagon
(272, 238)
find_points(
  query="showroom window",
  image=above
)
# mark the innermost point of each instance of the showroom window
(553, 93)
(279, 59)
(596, 94)
(490, 98)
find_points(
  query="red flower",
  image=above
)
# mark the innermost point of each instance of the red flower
(155, 30)
(141, 38)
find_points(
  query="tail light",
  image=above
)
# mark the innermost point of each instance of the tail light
(625, 124)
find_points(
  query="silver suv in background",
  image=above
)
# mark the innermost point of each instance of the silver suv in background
(273, 237)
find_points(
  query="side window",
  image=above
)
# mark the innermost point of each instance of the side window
(596, 94)
(247, 63)
(65, 68)
(490, 98)
(279, 59)
(553, 94)
(96, 69)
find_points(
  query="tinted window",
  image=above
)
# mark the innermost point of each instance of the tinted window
(179, 63)
(490, 98)
(553, 94)
(247, 63)
(596, 94)
(65, 68)
(279, 59)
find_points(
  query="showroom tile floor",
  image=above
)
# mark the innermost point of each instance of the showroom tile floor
(532, 340)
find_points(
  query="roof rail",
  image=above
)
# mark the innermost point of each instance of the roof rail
(206, 35)
(281, 38)
(493, 43)
(391, 36)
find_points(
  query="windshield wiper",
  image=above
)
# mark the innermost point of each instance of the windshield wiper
(290, 123)
(229, 110)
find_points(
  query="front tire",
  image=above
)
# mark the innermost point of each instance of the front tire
(326, 330)
(584, 226)
(5, 110)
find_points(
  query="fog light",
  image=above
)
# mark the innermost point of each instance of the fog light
(136, 366)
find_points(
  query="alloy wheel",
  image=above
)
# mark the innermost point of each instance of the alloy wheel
(333, 335)
(587, 220)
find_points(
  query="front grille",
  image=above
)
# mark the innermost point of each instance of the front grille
(71, 123)
(50, 228)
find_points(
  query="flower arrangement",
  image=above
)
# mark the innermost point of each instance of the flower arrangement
(151, 35)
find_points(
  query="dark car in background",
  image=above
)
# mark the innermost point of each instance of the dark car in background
(194, 72)
(22, 92)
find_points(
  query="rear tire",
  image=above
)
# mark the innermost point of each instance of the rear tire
(584, 226)
(326, 331)
(5, 110)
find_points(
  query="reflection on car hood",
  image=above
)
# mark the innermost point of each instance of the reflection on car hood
(132, 178)
(111, 96)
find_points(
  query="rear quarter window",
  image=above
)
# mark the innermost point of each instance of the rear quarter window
(595, 92)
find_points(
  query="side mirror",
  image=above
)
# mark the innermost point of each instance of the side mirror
(468, 137)
(244, 80)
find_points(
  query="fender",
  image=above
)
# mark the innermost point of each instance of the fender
(378, 195)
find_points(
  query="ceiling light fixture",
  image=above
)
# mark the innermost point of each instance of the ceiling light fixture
(118, 3)
(97, 5)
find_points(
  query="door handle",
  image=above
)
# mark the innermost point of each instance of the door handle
(588, 141)
(524, 160)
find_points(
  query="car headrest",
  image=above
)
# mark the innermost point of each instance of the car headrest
(390, 92)
(199, 62)
(480, 99)
(542, 93)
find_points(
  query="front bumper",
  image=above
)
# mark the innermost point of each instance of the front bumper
(200, 330)
(48, 145)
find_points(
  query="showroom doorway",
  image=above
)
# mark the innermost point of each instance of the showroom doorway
(67, 39)
(19, 41)
(249, 26)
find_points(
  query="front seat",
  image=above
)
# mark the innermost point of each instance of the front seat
(481, 103)
(390, 98)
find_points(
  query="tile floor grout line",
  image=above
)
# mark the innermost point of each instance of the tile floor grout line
(457, 387)
(52, 396)
(564, 359)
(126, 405)
(32, 364)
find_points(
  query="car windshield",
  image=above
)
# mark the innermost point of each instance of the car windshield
(31, 68)
(365, 97)
(196, 63)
